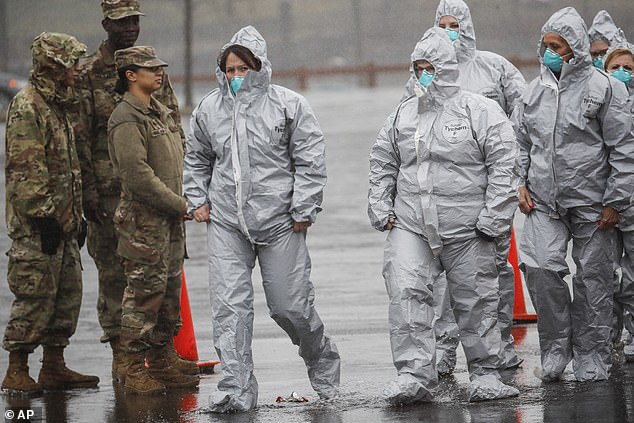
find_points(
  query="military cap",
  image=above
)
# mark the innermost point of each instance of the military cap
(119, 9)
(61, 48)
(143, 56)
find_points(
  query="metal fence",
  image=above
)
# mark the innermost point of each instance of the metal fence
(368, 73)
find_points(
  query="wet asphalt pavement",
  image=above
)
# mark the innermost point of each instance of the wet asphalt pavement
(351, 299)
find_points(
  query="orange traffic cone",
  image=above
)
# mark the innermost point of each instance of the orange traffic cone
(185, 341)
(520, 314)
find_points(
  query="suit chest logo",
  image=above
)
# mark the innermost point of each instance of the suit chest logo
(590, 105)
(456, 130)
(491, 93)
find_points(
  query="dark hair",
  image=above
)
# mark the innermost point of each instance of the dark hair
(243, 53)
(122, 85)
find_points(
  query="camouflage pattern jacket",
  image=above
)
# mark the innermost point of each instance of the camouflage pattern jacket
(147, 153)
(98, 100)
(43, 176)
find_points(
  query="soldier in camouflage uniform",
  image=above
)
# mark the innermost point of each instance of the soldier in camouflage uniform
(101, 188)
(43, 198)
(147, 153)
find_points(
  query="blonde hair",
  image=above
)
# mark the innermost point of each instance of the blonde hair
(616, 53)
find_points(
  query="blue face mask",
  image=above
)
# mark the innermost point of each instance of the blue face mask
(553, 60)
(425, 78)
(598, 62)
(622, 75)
(453, 34)
(236, 83)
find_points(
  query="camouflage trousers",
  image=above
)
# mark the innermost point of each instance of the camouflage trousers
(102, 247)
(152, 249)
(48, 291)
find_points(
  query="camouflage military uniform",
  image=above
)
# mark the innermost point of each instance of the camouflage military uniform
(101, 188)
(147, 153)
(43, 181)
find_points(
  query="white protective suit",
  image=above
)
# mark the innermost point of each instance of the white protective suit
(624, 296)
(494, 77)
(577, 157)
(444, 164)
(258, 159)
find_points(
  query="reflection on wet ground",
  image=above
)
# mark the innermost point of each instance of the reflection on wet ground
(611, 401)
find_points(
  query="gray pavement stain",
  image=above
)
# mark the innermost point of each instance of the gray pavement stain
(350, 298)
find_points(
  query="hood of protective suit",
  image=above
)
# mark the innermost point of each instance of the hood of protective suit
(435, 47)
(445, 167)
(602, 28)
(465, 45)
(255, 82)
(257, 156)
(53, 54)
(568, 24)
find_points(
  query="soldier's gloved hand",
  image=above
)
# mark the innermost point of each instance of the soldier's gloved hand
(82, 233)
(51, 234)
(94, 213)
(484, 236)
